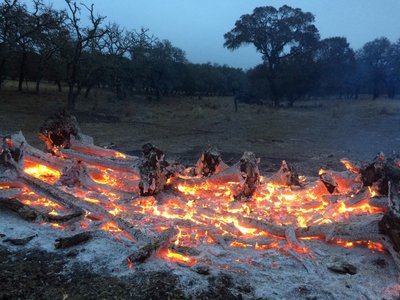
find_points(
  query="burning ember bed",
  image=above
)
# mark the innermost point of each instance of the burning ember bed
(335, 236)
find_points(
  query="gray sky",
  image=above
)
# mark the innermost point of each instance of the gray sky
(198, 26)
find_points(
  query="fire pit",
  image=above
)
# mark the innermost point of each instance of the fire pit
(267, 236)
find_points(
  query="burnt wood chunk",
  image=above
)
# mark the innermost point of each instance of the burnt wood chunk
(153, 171)
(329, 182)
(250, 176)
(208, 162)
(286, 176)
(70, 241)
(57, 130)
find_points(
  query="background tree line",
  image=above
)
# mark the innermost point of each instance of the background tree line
(77, 48)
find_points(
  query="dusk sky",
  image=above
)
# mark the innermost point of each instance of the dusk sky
(197, 27)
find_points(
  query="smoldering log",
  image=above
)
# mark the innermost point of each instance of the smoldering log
(85, 145)
(77, 175)
(286, 176)
(30, 214)
(20, 241)
(351, 166)
(153, 171)
(70, 241)
(145, 251)
(362, 228)
(363, 196)
(15, 205)
(10, 192)
(33, 154)
(250, 175)
(106, 162)
(57, 130)
(76, 204)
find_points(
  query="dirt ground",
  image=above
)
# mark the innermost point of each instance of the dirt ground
(311, 135)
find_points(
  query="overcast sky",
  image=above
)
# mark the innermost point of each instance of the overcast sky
(198, 26)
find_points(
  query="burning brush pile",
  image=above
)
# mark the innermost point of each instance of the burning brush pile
(282, 233)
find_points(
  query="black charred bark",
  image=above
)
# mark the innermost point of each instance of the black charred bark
(250, 176)
(208, 162)
(153, 171)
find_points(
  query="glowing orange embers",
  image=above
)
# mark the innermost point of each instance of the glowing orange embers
(208, 215)
(172, 256)
(41, 172)
(373, 246)
(113, 228)
(120, 180)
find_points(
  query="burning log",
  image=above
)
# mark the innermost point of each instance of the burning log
(351, 166)
(32, 154)
(77, 175)
(250, 175)
(57, 130)
(145, 251)
(70, 241)
(116, 164)
(153, 171)
(77, 205)
(209, 163)
(286, 176)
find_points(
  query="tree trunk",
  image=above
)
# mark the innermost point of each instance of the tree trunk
(235, 100)
(2, 65)
(273, 90)
(22, 70)
(71, 97)
(88, 89)
(58, 83)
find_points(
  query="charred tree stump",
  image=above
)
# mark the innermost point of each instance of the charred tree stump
(153, 171)
(11, 153)
(390, 223)
(208, 163)
(250, 176)
(57, 130)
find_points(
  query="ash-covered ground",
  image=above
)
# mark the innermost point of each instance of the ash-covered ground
(99, 270)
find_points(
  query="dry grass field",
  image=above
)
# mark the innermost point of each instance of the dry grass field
(311, 135)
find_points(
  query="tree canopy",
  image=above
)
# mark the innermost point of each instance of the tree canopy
(277, 34)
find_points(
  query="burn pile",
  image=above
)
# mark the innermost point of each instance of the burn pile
(202, 219)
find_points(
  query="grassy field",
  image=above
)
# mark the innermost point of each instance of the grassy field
(311, 135)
